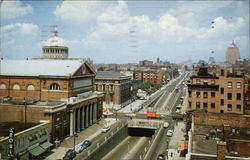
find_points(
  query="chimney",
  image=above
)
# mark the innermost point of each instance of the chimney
(226, 132)
(221, 150)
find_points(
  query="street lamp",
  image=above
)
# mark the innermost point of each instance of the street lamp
(75, 135)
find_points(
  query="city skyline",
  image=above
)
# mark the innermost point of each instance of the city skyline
(127, 31)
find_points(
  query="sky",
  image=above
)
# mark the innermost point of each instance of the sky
(127, 31)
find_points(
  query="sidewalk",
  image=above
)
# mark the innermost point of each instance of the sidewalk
(89, 133)
(132, 107)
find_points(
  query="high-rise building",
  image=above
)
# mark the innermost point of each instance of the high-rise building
(232, 53)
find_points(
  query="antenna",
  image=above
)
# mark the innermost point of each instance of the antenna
(53, 32)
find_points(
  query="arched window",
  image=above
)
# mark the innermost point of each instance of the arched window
(55, 86)
(16, 87)
(30, 87)
(2, 86)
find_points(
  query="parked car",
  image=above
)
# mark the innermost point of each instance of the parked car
(78, 149)
(170, 133)
(161, 157)
(105, 129)
(70, 154)
(86, 143)
(165, 125)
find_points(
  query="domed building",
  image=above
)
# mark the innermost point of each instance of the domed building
(232, 53)
(55, 48)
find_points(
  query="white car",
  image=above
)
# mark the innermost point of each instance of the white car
(170, 133)
(107, 113)
(105, 129)
(131, 115)
(165, 125)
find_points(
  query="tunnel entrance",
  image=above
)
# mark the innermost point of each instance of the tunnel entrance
(141, 132)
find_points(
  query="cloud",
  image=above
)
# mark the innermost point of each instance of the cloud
(14, 9)
(11, 32)
(77, 10)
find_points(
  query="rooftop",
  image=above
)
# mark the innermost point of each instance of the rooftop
(18, 126)
(39, 67)
(109, 74)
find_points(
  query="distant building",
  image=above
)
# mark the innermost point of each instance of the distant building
(60, 91)
(116, 87)
(31, 140)
(145, 63)
(215, 89)
(211, 60)
(150, 75)
(232, 53)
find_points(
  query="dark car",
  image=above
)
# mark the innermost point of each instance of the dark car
(86, 143)
(161, 157)
(70, 154)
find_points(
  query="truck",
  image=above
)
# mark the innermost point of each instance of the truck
(153, 114)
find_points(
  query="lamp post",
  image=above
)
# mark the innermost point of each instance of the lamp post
(75, 135)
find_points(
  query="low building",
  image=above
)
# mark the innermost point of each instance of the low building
(219, 136)
(116, 87)
(30, 139)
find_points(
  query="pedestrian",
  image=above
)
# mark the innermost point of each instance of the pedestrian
(171, 154)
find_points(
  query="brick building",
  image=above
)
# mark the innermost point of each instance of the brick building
(218, 136)
(215, 89)
(60, 91)
(116, 87)
(150, 75)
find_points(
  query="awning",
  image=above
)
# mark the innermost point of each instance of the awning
(46, 145)
(37, 151)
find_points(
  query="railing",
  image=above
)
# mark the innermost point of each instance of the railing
(154, 124)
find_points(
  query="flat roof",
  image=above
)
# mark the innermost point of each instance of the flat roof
(18, 126)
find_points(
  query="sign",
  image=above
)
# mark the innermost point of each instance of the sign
(11, 142)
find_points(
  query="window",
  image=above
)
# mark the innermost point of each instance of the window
(16, 87)
(198, 81)
(205, 82)
(222, 72)
(222, 90)
(212, 105)
(238, 84)
(222, 102)
(238, 96)
(190, 104)
(229, 84)
(111, 88)
(229, 107)
(205, 105)
(96, 87)
(30, 87)
(238, 107)
(212, 81)
(55, 86)
(212, 94)
(198, 94)
(190, 93)
(2, 86)
(205, 94)
(198, 105)
(229, 96)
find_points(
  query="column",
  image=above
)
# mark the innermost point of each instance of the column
(87, 116)
(78, 120)
(95, 111)
(71, 123)
(75, 121)
(91, 114)
(83, 118)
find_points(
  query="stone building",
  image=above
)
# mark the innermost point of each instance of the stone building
(232, 53)
(60, 91)
(116, 87)
(215, 89)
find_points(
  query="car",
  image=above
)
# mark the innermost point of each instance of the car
(70, 154)
(86, 143)
(165, 125)
(107, 113)
(161, 157)
(131, 114)
(105, 129)
(170, 133)
(78, 149)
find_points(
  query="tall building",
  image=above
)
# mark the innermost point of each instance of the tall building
(216, 90)
(232, 53)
